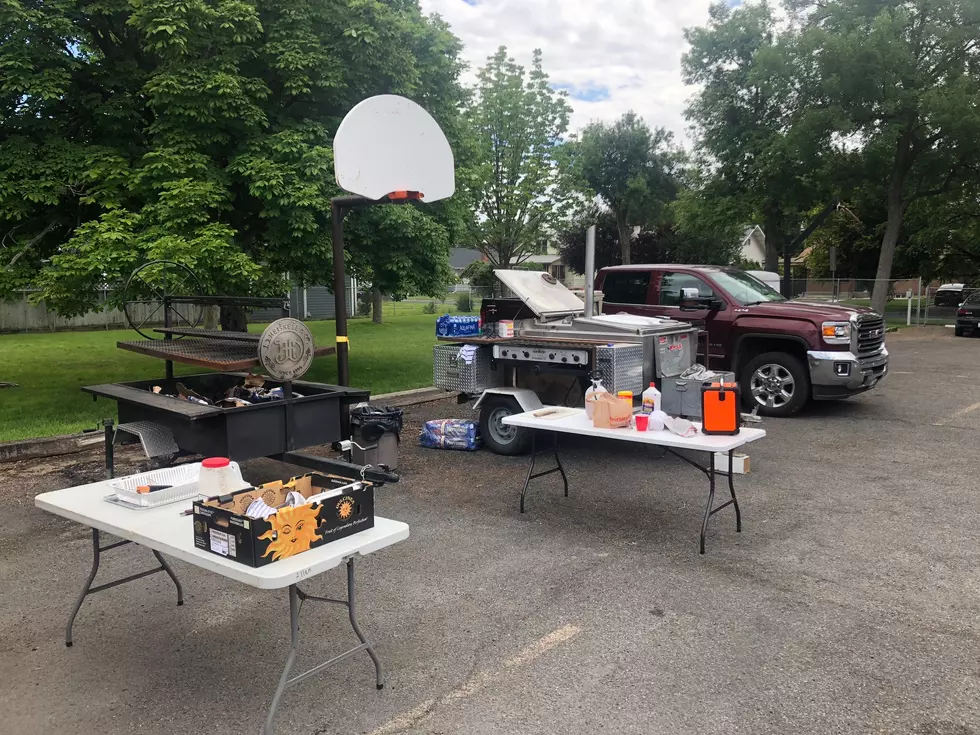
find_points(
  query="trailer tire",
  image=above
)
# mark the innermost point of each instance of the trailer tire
(778, 383)
(497, 437)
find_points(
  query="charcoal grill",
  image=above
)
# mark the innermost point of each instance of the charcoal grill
(309, 414)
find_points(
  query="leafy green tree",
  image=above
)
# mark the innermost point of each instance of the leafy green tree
(631, 168)
(199, 132)
(517, 187)
(903, 78)
(765, 145)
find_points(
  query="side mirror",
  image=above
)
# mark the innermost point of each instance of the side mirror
(697, 303)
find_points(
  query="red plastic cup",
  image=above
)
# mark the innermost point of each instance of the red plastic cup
(642, 422)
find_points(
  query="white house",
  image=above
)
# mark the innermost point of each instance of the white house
(754, 245)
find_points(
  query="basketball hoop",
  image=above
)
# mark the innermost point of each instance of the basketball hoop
(387, 150)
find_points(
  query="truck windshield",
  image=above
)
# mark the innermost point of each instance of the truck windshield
(746, 289)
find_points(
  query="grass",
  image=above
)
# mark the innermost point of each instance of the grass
(51, 368)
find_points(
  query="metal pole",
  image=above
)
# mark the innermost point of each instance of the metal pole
(589, 270)
(787, 275)
(918, 305)
(337, 212)
(908, 319)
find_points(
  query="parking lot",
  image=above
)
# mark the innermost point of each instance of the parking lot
(850, 604)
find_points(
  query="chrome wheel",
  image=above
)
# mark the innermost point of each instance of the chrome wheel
(772, 386)
(501, 432)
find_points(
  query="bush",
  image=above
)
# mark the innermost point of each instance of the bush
(429, 308)
(464, 304)
(364, 305)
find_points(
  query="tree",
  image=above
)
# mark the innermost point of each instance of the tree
(669, 242)
(517, 187)
(762, 141)
(198, 132)
(631, 168)
(904, 79)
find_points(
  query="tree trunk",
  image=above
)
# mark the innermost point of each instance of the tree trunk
(893, 228)
(377, 304)
(625, 239)
(774, 244)
(234, 319)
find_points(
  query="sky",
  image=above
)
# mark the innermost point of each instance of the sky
(611, 56)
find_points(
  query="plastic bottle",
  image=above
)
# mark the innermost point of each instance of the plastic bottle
(594, 389)
(652, 399)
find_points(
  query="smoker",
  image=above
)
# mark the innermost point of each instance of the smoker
(555, 351)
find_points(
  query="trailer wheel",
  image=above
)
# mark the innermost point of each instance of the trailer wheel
(497, 436)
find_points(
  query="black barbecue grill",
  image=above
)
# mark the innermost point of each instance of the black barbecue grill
(165, 418)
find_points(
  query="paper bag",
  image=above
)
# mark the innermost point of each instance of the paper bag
(611, 412)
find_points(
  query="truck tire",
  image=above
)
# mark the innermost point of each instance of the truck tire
(497, 437)
(777, 382)
(960, 331)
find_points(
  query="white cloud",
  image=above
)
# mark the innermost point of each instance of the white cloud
(632, 48)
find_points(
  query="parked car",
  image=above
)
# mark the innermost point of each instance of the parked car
(952, 294)
(968, 316)
(782, 352)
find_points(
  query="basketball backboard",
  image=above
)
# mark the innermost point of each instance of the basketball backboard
(389, 144)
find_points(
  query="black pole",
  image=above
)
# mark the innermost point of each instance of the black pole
(337, 212)
(339, 207)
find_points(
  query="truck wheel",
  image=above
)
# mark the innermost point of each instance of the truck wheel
(497, 436)
(776, 382)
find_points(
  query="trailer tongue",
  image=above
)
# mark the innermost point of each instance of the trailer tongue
(554, 351)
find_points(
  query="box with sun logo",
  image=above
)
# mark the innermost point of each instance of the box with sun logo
(341, 507)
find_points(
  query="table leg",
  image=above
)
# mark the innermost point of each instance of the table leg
(710, 472)
(296, 599)
(553, 449)
(88, 589)
(708, 512)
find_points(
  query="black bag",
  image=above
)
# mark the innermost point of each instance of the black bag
(376, 421)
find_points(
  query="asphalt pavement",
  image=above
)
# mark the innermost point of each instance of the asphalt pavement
(850, 604)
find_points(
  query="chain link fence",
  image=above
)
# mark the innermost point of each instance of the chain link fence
(911, 301)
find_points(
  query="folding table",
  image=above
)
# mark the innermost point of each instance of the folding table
(165, 530)
(576, 422)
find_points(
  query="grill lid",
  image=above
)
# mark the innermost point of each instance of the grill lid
(542, 293)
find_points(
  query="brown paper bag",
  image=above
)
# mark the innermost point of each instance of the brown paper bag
(611, 412)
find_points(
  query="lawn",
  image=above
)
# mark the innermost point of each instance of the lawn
(51, 368)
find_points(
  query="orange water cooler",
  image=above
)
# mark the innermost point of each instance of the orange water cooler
(721, 412)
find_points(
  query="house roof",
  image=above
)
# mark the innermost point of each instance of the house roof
(542, 259)
(459, 258)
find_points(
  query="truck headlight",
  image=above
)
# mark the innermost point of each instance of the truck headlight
(837, 333)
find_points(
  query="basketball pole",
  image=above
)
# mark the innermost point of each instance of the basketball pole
(339, 207)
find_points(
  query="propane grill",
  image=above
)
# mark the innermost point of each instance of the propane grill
(555, 338)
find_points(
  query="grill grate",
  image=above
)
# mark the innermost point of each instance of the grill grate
(213, 354)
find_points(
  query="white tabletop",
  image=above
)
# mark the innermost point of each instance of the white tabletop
(579, 423)
(165, 530)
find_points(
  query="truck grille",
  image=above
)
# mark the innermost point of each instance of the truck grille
(870, 335)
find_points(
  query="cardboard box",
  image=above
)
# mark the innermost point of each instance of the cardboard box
(221, 526)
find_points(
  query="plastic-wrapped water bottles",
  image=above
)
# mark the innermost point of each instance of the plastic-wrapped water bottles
(458, 326)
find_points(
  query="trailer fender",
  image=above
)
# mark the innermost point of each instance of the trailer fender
(527, 398)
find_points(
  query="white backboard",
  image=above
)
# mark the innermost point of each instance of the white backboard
(387, 144)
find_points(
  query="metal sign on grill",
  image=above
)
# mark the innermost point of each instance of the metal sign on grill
(286, 349)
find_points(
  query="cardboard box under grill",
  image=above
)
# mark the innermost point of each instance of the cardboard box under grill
(222, 528)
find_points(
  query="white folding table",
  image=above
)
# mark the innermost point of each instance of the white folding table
(165, 530)
(578, 423)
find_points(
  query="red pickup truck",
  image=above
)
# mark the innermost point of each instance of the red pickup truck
(783, 352)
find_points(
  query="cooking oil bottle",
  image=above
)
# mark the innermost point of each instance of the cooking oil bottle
(652, 399)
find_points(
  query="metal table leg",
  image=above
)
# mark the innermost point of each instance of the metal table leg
(296, 599)
(553, 449)
(88, 589)
(710, 472)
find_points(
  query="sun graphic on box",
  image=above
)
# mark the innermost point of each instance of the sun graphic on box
(345, 508)
(293, 531)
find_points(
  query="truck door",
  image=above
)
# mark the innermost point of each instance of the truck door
(713, 321)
